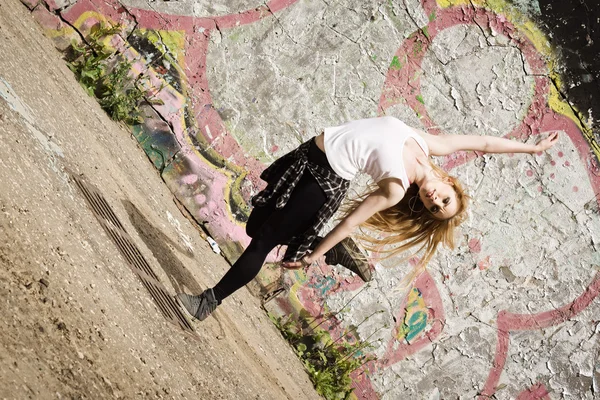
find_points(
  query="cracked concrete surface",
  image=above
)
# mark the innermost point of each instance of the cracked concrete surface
(512, 312)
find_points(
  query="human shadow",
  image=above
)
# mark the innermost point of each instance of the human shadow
(162, 247)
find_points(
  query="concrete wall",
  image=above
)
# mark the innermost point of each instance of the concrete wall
(511, 313)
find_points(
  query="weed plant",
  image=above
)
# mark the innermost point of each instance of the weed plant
(107, 76)
(328, 363)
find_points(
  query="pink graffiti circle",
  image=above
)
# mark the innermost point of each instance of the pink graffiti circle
(401, 85)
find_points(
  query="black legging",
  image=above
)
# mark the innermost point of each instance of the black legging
(269, 227)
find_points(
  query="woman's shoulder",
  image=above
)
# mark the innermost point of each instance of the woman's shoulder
(390, 119)
(379, 119)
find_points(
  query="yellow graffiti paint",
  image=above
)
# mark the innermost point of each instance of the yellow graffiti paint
(62, 32)
(415, 317)
(174, 41)
(87, 16)
(454, 3)
(293, 296)
(88, 19)
(556, 102)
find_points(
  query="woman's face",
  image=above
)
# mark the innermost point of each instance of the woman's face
(439, 198)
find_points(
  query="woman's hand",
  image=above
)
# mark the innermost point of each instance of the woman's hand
(547, 142)
(302, 263)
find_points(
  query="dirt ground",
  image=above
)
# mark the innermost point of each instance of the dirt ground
(76, 320)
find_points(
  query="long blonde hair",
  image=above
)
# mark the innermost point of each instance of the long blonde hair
(409, 223)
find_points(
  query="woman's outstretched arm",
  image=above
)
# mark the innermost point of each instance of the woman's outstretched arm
(441, 145)
(389, 193)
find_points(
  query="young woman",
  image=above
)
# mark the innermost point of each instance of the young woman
(413, 202)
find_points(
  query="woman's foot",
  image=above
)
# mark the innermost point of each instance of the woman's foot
(347, 254)
(200, 306)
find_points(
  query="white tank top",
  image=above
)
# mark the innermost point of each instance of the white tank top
(373, 146)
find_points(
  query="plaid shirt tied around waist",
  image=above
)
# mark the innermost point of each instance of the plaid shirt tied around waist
(282, 177)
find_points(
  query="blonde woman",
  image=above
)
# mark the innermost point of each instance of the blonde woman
(413, 202)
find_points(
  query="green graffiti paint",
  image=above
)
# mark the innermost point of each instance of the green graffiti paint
(418, 47)
(417, 324)
(323, 284)
(396, 64)
(160, 145)
(415, 317)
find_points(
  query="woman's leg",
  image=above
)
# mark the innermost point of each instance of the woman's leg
(281, 225)
(245, 268)
(347, 254)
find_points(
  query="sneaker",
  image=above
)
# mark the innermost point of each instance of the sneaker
(342, 254)
(200, 306)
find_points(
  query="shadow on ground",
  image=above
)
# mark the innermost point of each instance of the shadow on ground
(163, 250)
